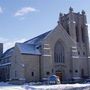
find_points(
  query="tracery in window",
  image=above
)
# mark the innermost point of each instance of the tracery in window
(59, 53)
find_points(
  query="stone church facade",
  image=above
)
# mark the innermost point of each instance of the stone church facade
(63, 51)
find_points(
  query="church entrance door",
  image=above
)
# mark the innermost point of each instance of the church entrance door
(59, 74)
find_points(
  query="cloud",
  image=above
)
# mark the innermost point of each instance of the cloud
(1, 10)
(8, 43)
(25, 10)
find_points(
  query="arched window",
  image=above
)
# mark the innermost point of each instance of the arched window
(59, 53)
(83, 37)
(77, 34)
(67, 29)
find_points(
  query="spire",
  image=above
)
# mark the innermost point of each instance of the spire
(83, 12)
(60, 15)
(70, 9)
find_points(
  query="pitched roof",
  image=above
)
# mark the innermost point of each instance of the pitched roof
(28, 47)
(38, 39)
(8, 53)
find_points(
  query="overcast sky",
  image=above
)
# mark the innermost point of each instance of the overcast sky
(23, 19)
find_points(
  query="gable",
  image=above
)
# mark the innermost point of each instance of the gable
(59, 33)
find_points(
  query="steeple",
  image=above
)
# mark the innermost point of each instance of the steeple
(70, 9)
(60, 15)
(83, 12)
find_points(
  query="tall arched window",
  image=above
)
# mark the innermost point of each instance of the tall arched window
(83, 33)
(77, 34)
(67, 29)
(59, 53)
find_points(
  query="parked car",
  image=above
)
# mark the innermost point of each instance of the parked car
(87, 81)
(77, 80)
(45, 80)
(53, 79)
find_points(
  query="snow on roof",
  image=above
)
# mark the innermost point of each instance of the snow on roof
(8, 52)
(37, 39)
(28, 49)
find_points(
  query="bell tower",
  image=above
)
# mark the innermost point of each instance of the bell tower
(75, 25)
(68, 23)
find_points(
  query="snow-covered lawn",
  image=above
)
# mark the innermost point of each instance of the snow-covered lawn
(60, 87)
(6, 86)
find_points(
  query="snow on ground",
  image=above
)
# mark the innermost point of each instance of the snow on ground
(61, 87)
(6, 86)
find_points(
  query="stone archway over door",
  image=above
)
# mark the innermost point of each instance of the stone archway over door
(59, 74)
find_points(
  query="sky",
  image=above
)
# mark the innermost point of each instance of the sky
(21, 20)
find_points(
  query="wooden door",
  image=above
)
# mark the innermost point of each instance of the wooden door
(59, 74)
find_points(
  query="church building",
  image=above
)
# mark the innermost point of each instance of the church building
(63, 51)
